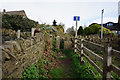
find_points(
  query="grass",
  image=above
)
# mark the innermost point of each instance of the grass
(35, 71)
(79, 70)
(57, 73)
(62, 57)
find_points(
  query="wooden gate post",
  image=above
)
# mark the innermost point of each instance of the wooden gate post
(81, 51)
(75, 45)
(107, 61)
(18, 34)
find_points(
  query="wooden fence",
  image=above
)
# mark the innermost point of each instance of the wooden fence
(106, 60)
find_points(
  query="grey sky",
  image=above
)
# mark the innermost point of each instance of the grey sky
(63, 11)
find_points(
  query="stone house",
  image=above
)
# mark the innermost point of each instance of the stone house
(21, 12)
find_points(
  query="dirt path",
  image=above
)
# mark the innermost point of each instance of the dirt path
(65, 63)
(60, 60)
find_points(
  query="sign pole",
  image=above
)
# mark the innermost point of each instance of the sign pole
(76, 28)
(76, 36)
(102, 24)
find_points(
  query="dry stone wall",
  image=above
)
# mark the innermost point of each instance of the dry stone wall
(17, 55)
(112, 41)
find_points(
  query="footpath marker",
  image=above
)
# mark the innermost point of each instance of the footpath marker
(76, 18)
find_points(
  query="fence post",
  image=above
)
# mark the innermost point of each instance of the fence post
(81, 51)
(18, 34)
(107, 61)
(75, 50)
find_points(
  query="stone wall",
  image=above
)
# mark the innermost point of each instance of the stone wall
(17, 55)
(67, 42)
(112, 41)
(20, 53)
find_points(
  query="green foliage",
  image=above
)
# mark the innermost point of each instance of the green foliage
(71, 31)
(62, 44)
(31, 72)
(80, 70)
(113, 34)
(57, 73)
(87, 31)
(80, 30)
(62, 57)
(56, 50)
(60, 27)
(93, 69)
(95, 29)
(16, 22)
(36, 71)
(54, 54)
(41, 25)
(53, 44)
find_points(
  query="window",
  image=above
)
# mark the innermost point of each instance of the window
(109, 24)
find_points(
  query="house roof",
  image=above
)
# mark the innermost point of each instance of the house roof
(114, 26)
(21, 12)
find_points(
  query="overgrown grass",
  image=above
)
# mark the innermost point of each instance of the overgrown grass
(62, 57)
(36, 71)
(31, 72)
(57, 73)
(80, 70)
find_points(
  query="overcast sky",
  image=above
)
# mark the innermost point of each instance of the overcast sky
(45, 11)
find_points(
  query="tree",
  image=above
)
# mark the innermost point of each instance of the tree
(70, 31)
(87, 31)
(80, 31)
(95, 29)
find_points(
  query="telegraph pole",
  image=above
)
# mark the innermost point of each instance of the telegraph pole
(102, 24)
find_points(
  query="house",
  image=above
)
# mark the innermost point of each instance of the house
(21, 12)
(113, 27)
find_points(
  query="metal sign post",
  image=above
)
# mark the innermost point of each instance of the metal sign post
(76, 18)
(102, 24)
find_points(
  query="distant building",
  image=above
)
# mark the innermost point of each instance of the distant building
(21, 12)
(113, 27)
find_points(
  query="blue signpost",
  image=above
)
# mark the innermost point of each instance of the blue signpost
(76, 18)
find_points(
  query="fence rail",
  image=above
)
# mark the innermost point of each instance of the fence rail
(106, 60)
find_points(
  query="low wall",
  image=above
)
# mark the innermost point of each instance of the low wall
(112, 41)
(19, 54)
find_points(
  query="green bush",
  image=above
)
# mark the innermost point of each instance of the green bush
(31, 72)
(95, 29)
(36, 71)
(16, 22)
